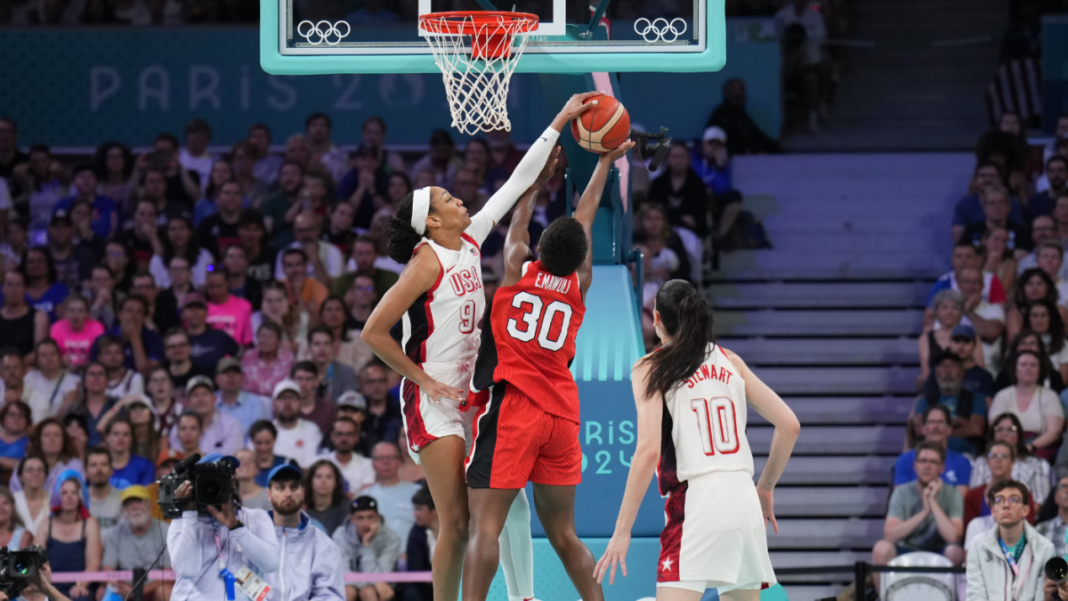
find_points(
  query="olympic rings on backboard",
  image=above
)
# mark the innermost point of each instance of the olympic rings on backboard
(660, 30)
(316, 31)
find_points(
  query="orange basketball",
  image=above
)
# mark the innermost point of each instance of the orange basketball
(602, 128)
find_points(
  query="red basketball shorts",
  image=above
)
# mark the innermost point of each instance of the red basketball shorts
(516, 442)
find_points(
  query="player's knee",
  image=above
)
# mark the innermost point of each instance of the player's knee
(458, 530)
(883, 552)
(368, 593)
(954, 553)
(561, 535)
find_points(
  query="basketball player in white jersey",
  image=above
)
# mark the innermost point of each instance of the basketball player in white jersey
(440, 299)
(691, 396)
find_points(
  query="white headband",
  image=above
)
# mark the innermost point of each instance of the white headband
(420, 209)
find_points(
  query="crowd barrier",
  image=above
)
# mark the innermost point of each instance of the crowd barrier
(135, 575)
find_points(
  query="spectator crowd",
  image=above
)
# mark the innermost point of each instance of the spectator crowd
(985, 460)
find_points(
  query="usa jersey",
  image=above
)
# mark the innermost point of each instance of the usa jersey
(529, 341)
(444, 324)
(703, 428)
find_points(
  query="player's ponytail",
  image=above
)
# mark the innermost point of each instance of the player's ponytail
(402, 237)
(686, 318)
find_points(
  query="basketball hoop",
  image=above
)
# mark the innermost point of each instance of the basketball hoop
(476, 76)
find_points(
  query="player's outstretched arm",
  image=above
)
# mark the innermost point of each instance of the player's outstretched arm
(642, 468)
(517, 243)
(526, 172)
(771, 406)
(586, 211)
(420, 275)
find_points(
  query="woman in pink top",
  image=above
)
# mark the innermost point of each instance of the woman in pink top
(76, 332)
(227, 312)
(267, 364)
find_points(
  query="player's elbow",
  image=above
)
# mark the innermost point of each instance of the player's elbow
(789, 426)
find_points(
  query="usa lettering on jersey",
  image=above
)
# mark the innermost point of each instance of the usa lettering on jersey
(465, 281)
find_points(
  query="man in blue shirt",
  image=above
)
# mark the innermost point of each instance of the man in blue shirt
(957, 471)
(209, 345)
(242, 405)
(976, 380)
(968, 409)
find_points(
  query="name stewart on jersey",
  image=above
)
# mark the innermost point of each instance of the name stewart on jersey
(708, 372)
(548, 281)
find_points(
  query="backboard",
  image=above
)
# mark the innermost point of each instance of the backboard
(304, 37)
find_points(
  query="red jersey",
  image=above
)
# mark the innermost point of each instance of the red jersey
(529, 340)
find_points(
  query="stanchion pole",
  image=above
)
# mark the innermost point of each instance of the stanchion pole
(139, 590)
(860, 577)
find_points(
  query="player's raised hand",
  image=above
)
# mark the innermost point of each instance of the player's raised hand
(548, 170)
(574, 107)
(767, 506)
(616, 153)
(615, 554)
(437, 391)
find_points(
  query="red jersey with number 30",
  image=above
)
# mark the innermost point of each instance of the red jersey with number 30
(533, 324)
(704, 422)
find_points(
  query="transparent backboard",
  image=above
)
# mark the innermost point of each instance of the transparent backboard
(573, 36)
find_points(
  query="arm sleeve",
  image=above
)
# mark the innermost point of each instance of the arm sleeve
(387, 559)
(954, 504)
(897, 507)
(111, 551)
(257, 540)
(328, 579)
(183, 541)
(525, 173)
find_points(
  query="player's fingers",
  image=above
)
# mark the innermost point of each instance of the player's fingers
(612, 576)
(774, 524)
(585, 95)
(623, 565)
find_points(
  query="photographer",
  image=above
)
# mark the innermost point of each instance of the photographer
(230, 537)
(39, 588)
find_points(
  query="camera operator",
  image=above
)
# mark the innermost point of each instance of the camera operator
(206, 549)
(1054, 592)
(40, 588)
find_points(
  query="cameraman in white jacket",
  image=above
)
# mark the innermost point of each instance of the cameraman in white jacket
(230, 538)
(1007, 562)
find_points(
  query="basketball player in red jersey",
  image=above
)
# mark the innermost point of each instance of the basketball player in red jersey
(692, 397)
(528, 430)
(440, 301)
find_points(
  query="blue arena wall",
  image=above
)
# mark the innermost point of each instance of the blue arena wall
(82, 87)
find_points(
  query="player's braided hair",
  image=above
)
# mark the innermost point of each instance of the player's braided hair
(686, 317)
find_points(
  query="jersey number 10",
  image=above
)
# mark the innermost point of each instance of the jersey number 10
(532, 317)
(717, 424)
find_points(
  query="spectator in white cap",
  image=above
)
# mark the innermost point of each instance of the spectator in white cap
(297, 438)
(233, 400)
(222, 433)
(355, 468)
(713, 164)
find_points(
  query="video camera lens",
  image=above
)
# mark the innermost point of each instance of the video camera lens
(1057, 570)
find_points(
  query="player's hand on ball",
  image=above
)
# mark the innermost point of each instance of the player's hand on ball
(613, 155)
(574, 107)
(436, 391)
(615, 554)
(767, 506)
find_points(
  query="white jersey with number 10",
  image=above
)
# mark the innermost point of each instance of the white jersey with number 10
(706, 416)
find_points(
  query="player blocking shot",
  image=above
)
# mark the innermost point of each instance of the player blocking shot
(528, 429)
(440, 301)
(691, 396)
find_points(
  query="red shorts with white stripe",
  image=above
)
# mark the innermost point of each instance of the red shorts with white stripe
(516, 442)
(715, 535)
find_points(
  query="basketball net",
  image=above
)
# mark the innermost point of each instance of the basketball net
(476, 76)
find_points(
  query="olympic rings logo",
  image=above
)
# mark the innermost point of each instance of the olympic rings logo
(660, 30)
(323, 32)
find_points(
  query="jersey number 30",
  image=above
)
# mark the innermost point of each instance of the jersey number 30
(532, 317)
(717, 424)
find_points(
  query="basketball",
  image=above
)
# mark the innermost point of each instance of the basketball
(602, 128)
